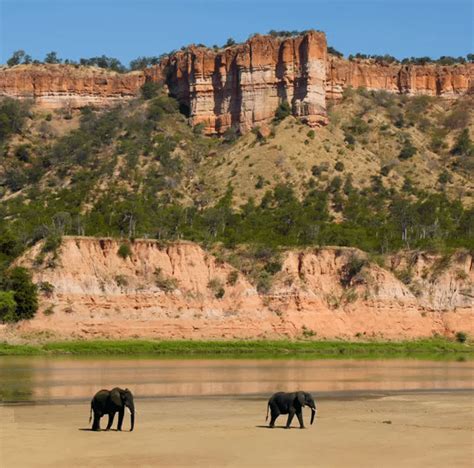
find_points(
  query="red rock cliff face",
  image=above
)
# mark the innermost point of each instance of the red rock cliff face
(432, 80)
(242, 86)
(55, 86)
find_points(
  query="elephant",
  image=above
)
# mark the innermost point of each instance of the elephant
(110, 402)
(290, 404)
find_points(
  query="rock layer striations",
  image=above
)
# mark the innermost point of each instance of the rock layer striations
(56, 86)
(240, 86)
(181, 291)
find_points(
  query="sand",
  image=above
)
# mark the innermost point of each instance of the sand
(415, 430)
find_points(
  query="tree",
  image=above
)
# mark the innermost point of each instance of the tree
(143, 62)
(230, 42)
(463, 145)
(16, 58)
(333, 51)
(7, 306)
(18, 280)
(52, 57)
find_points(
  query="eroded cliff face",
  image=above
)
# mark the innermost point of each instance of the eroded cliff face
(56, 86)
(432, 80)
(242, 85)
(99, 294)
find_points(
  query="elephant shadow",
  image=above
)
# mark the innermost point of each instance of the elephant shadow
(88, 429)
(275, 427)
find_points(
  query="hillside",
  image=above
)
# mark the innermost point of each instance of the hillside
(89, 289)
(139, 170)
(388, 174)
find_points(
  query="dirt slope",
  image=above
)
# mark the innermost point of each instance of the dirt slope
(181, 291)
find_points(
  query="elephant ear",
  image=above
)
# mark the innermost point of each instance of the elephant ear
(300, 400)
(116, 397)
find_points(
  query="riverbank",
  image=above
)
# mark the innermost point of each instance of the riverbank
(435, 432)
(422, 349)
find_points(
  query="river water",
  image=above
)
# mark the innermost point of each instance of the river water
(60, 379)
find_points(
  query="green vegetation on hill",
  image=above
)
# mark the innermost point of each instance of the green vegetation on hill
(139, 170)
(131, 171)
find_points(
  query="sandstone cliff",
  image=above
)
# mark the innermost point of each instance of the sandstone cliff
(241, 85)
(53, 86)
(170, 292)
(432, 80)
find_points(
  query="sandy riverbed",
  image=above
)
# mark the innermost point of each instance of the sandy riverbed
(430, 429)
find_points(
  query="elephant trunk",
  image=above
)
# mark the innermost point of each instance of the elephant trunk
(313, 414)
(131, 407)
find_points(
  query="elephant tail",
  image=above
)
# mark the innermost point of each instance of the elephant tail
(90, 415)
(268, 407)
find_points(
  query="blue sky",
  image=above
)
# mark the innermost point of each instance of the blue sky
(126, 29)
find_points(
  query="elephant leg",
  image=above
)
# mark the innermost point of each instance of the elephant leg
(299, 414)
(120, 419)
(96, 423)
(275, 415)
(111, 420)
(291, 414)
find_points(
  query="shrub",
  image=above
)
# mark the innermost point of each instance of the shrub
(46, 287)
(166, 284)
(463, 145)
(339, 166)
(264, 283)
(18, 280)
(232, 277)
(7, 306)
(444, 178)
(408, 150)
(121, 280)
(405, 276)
(49, 311)
(307, 332)
(283, 111)
(335, 185)
(349, 139)
(311, 134)
(461, 337)
(273, 267)
(216, 286)
(51, 243)
(124, 251)
(260, 182)
(22, 153)
(353, 267)
(458, 118)
(230, 135)
(150, 90)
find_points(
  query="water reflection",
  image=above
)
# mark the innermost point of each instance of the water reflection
(66, 379)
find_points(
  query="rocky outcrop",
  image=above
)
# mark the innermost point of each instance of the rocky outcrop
(54, 86)
(240, 86)
(243, 85)
(432, 80)
(181, 291)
